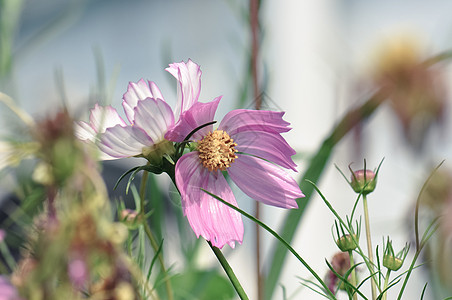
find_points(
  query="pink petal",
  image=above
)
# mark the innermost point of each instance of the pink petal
(154, 116)
(189, 84)
(199, 114)
(83, 131)
(136, 92)
(270, 146)
(103, 117)
(207, 216)
(264, 181)
(124, 141)
(253, 120)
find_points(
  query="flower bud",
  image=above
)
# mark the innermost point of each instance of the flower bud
(131, 218)
(390, 260)
(346, 242)
(363, 181)
(392, 263)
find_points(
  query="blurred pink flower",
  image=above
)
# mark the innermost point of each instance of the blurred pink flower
(7, 290)
(149, 116)
(247, 145)
(2, 235)
(78, 272)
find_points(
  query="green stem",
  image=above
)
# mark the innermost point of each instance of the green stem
(169, 169)
(154, 244)
(277, 236)
(313, 173)
(369, 246)
(227, 268)
(353, 282)
(9, 259)
(388, 273)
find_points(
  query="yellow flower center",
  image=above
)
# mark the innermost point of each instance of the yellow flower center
(216, 150)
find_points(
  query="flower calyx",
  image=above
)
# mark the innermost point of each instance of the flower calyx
(347, 240)
(392, 261)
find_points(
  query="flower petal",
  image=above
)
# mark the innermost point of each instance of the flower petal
(199, 114)
(264, 181)
(154, 116)
(207, 216)
(269, 146)
(253, 120)
(83, 131)
(136, 92)
(121, 141)
(189, 84)
(103, 117)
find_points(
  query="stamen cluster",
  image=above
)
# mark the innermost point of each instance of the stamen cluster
(217, 150)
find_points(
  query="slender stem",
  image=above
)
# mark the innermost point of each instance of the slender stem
(388, 273)
(369, 246)
(9, 259)
(224, 263)
(227, 268)
(352, 263)
(279, 238)
(254, 25)
(144, 181)
(154, 244)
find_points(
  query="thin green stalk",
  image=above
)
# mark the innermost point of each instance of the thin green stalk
(388, 273)
(9, 259)
(353, 282)
(224, 263)
(313, 173)
(154, 244)
(346, 226)
(287, 245)
(227, 268)
(369, 246)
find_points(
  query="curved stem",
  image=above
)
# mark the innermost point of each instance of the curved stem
(279, 238)
(154, 244)
(369, 246)
(227, 268)
(352, 263)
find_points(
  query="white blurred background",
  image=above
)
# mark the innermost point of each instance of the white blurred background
(314, 55)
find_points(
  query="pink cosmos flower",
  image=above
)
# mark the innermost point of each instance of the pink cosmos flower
(149, 117)
(248, 146)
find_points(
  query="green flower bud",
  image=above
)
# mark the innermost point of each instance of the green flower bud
(392, 263)
(346, 242)
(390, 260)
(363, 181)
(131, 218)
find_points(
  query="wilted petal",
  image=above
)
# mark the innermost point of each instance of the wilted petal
(264, 181)
(124, 141)
(189, 84)
(136, 92)
(253, 120)
(270, 146)
(103, 117)
(199, 114)
(207, 216)
(154, 116)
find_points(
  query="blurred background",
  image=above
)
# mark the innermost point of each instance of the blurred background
(317, 60)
